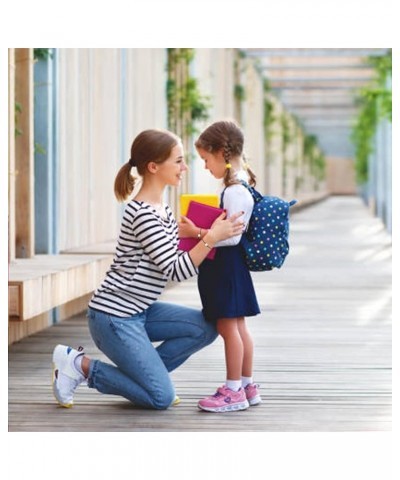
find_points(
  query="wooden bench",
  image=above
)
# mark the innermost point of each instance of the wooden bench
(39, 284)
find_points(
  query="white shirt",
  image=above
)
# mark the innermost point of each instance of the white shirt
(236, 199)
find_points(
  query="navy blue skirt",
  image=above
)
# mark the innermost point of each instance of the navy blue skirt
(226, 287)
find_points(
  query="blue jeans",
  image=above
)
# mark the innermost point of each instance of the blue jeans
(140, 371)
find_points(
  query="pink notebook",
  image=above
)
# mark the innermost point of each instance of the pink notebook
(203, 216)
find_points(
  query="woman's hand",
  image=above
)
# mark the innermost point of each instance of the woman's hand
(221, 229)
(224, 228)
(186, 228)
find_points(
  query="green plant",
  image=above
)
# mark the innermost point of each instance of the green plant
(269, 111)
(42, 53)
(286, 135)
(239, 93)
(17, 111)
(313, 156)
(310, 143)
(374, 104)
(39, 149)
(186, 104)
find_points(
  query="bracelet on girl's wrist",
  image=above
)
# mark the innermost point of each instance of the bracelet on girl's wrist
(199, 234)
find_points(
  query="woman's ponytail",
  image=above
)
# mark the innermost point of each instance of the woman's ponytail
(124, 183)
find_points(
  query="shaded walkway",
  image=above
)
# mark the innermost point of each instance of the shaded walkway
(323, 344)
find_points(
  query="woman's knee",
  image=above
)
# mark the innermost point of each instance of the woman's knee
(163, 400)
(210, 333)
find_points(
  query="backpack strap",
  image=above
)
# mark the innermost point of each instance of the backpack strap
(256, 195)
(221, 200)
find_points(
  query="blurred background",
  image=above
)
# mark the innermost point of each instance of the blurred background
(317, 123)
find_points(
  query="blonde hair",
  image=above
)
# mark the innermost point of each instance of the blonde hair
(227, 136)
(149, 146)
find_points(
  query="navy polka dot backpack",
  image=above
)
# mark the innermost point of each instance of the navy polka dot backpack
(266, 240)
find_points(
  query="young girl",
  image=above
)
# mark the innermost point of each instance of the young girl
(225, 285)
(125, 316)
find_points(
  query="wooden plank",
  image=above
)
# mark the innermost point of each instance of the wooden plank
(43, 282)
(13, 300)
(24, 148)
(322, 345)
(11, 154)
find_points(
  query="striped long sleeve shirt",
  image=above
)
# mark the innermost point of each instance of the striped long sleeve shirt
(147, 256)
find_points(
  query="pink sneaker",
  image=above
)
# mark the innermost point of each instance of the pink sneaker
(252, 394)
(224, 400)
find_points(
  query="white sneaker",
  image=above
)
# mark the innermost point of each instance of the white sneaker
(66, 377)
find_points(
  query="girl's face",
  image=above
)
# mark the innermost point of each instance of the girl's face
(213, 162)
(172, 169)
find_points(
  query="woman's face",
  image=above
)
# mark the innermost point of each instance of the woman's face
(213, 162)
(172, 169)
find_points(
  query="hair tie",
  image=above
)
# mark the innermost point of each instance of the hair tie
(132, 162)
(228, 165)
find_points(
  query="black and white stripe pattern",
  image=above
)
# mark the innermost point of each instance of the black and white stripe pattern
(147, 256)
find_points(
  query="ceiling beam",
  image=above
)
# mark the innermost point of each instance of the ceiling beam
(279, 88)
(315, 52)
(316, 104)
(317, 79)
(323, 114)
(308, 67)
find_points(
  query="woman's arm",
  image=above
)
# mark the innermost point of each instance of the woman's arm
(174, 263)
(221, 229)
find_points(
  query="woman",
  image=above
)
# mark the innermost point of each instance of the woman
(125, 316)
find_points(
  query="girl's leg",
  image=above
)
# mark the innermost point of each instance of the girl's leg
(252, 393)
(230, 397)
(139, 374)
(182, 331)
(229, 331)
(248, 348)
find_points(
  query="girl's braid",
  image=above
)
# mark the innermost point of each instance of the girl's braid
(227, 151)
(229, 178)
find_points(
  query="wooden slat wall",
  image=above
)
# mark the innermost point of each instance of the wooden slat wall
(93, 121)
(215, 73)
(274, 146)
(146, 78)
(253, 124)
(11, 154)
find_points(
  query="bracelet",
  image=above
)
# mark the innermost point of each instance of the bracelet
(199, 235)
(206, 244)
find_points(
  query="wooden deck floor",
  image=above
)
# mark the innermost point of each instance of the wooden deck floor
(322, 345)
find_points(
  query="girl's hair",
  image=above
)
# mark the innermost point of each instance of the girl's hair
(149, 146)
(227, 136)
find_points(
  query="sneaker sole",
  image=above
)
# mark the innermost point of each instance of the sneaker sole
(254, 401)
(57, 356)
(65, 405)
(226, 408)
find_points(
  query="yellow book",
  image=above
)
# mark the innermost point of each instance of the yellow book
(207, 199)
